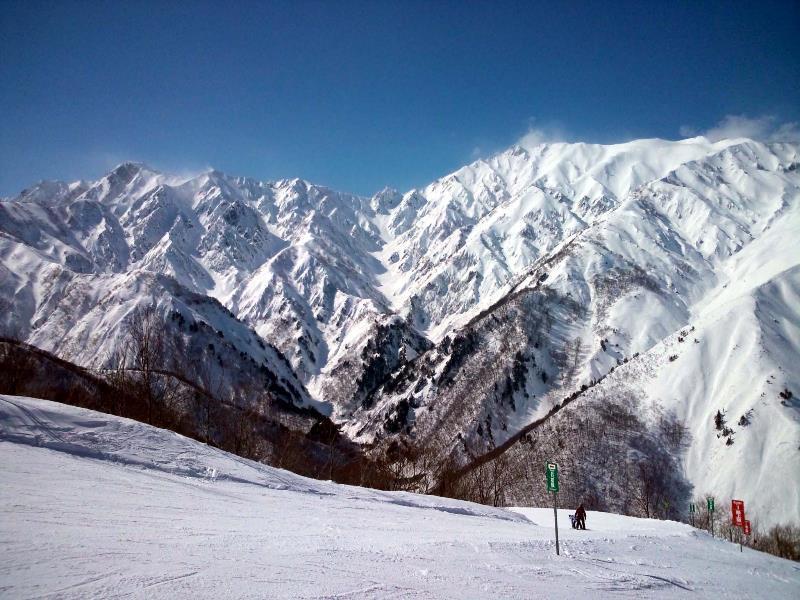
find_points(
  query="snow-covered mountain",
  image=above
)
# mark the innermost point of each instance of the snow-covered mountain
(464, 310)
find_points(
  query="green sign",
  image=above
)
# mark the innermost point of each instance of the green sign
(552, 477)
(710, 505)
(691, 507)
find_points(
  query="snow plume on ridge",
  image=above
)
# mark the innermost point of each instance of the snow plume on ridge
(547, 133)
(763, 128)
(766, 128)
(536, 134)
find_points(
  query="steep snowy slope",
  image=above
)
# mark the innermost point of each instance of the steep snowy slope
(738, 357)
(616, 288)
(710, 245)
(94, 505)
(461, 239)
(67, 261)
(291, 260)
(84, 316)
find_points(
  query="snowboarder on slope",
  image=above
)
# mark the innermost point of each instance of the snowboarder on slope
(580, 517)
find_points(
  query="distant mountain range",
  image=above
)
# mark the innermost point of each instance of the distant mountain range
(666, 270)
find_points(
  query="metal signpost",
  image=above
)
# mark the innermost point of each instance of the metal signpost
(710, 502)
(746, 530)
(551, 474)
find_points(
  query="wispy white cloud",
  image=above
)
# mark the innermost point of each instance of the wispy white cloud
(765, 128)
(543, 133)
(787, 132)
(688, 131)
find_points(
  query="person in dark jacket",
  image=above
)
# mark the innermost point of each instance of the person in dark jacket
(580, 517)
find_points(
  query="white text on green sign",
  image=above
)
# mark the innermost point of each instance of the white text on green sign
(552, 477)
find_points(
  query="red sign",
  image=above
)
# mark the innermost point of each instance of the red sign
(747, 527)
(737, 512)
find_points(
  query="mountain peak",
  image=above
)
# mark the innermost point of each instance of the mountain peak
(385, 200)
(126, 172)
(131, 166)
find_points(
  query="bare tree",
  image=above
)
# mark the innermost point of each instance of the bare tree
(145, 346)
(154, 361)
(211, 378)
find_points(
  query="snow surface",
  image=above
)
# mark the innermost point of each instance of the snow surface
(98, 506)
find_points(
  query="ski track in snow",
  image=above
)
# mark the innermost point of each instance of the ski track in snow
(103, 507)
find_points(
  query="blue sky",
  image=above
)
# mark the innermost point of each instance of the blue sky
(359, 95)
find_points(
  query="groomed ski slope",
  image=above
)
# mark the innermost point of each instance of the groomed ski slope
(98, 506)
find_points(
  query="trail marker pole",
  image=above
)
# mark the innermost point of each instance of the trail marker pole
(746, 530)
(551, 474)
(555, 518)
(710, 502)
(691, 513)
(737, 516)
